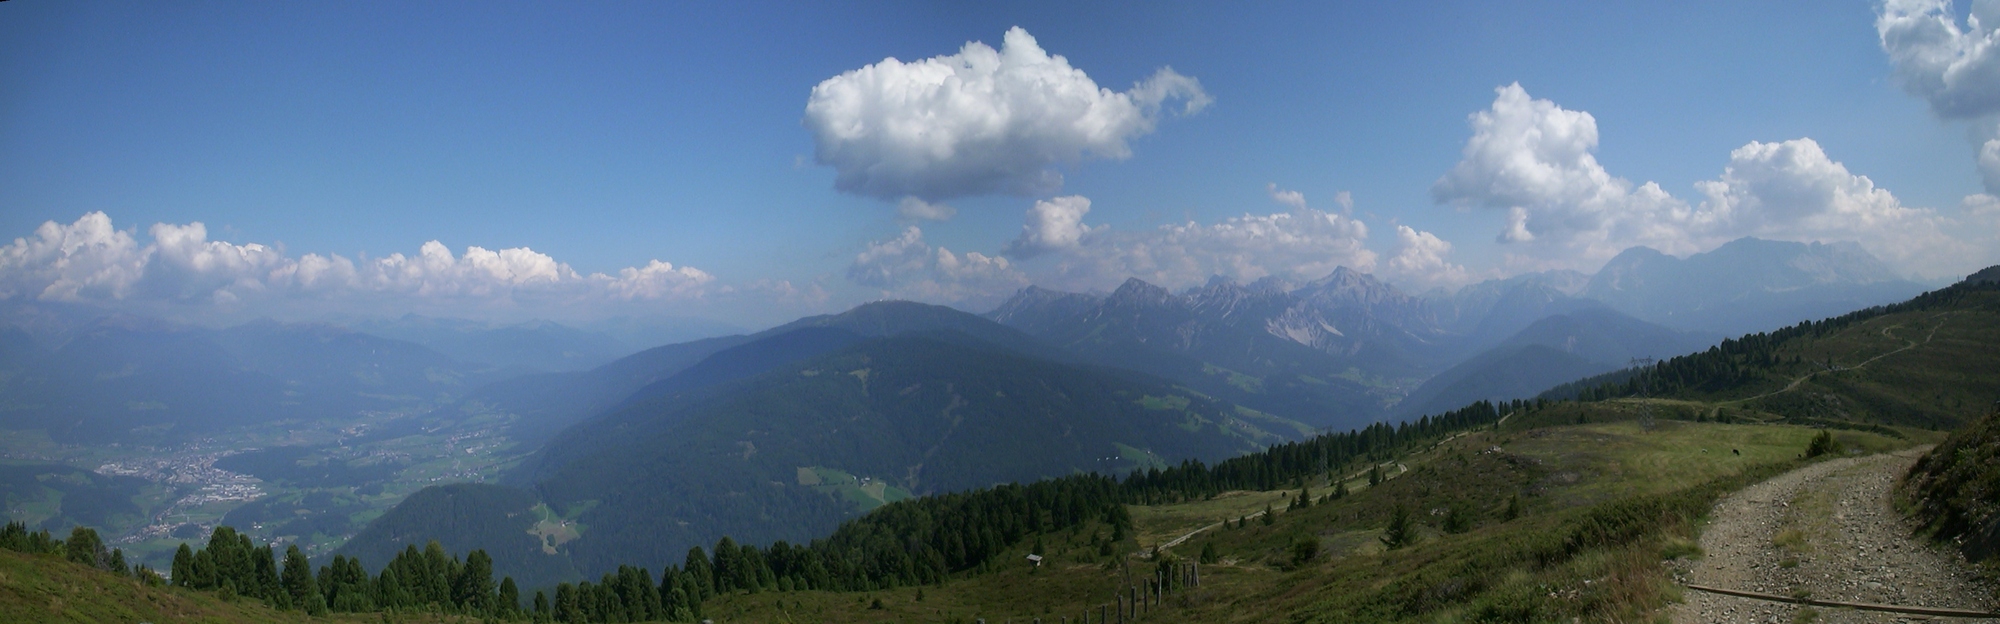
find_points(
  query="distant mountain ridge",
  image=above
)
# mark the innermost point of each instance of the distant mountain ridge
(1747, 285)
(1372, 344)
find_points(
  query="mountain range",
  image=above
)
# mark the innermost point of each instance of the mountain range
(782, 434)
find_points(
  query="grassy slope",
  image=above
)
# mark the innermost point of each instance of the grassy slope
(1564, 475)
(1954, 491)
(46, 589)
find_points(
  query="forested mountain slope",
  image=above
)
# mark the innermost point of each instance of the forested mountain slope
(789, 453)
(1926, 362)
(1555, 350)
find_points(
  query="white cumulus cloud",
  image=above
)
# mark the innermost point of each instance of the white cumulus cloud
(980, 121)
(1421, 261)
(1301, 243)
(1954, 67)
(906, 267)
(1533, 159)
(1053, 225)
(85, 260)
(90, 261)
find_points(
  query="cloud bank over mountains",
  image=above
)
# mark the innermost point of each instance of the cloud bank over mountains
(1535, 161)
(90, 261)
(979, 122)
(1529, 159)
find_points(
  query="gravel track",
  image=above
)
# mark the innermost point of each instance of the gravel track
(1827, 531)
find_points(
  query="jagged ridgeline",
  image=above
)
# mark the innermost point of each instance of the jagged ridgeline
(1927, 362)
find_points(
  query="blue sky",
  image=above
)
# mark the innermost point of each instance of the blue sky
(607, 136)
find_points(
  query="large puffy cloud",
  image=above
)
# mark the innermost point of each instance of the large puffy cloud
(906, 267)
(980, 121)
(90, 261)
(1533, 159)
(1955, 68)
(85, 260)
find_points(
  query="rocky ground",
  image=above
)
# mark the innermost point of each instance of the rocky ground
(1826, 531)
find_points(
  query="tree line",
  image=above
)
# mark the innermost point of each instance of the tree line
(917, 541)
(1740, 361)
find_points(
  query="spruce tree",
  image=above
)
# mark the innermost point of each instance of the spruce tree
(183, 569)
(567, 607)
(510, 598)
(83, 546)
(701, 572)
(1401, 530)
(473, 592)
(299, 583)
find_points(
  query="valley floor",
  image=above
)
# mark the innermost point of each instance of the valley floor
(1826, 531)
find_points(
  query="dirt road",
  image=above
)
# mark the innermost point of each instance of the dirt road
(1825, 531)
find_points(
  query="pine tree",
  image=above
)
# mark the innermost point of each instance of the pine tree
(510, 598)
(1401, 530)
(83, 546)
(299, 583)
(473, 591)
(568, 606)
(1269, 518)
(541, 606)
(701, 572)
(183, 569)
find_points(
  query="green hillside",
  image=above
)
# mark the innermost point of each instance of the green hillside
(790, 453)
(1928, 362)
(47, 589)
(1954, 491)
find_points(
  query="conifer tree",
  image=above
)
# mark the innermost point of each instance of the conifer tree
(183, 569)
(473, 591)
(299, 583)
(1401, 530)
(83, 546)
(701, 572)
(510, 598)
(568, 606)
